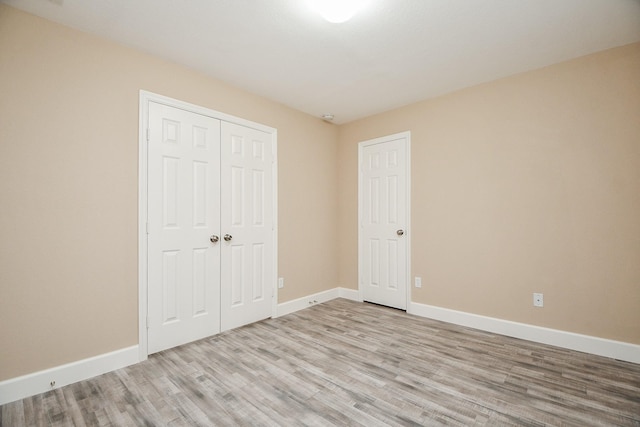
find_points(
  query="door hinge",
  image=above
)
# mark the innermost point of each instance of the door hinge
(148, 137)
(147, 322)
(147, 228)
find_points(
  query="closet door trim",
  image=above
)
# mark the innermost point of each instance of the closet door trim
(143, 126)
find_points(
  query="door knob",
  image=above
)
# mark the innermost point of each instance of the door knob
(228, 237)
(400, 232)
(214, 238)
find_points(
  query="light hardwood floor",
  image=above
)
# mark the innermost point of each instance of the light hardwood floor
(349, 363)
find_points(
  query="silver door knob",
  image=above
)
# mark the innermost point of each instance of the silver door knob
(400, 232)
(228, 237)
(214, 238)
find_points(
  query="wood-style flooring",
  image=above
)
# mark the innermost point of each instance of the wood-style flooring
(349, 363)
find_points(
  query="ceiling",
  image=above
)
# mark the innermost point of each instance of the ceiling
(392, 53)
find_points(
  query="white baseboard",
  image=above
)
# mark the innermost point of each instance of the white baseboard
(304, 302)
(585, 343)
(352, 294)
(324, 296)
(40, 382)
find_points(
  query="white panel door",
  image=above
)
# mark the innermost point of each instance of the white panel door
(383, 212)
(183, 215)
(247, 224)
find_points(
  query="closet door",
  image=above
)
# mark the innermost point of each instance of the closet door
(247, 225)
(183, 220)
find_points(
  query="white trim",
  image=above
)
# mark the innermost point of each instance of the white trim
(145, 98)
(274, 269)
(352, 294)
(320, 297)
(40, 382)
(407, 137)
(143, 126)
(408, 230)
(306, 302)
(585, 343)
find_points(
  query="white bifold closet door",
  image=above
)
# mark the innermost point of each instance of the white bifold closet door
(210, 226)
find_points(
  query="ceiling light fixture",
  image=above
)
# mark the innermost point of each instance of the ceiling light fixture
(336, 11)
(327, 117)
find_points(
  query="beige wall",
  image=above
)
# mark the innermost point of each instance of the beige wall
(526, 184)
(68, 188)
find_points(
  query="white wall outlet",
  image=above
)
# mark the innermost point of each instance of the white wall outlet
(280, 282)
(418, 282)
(538, 300)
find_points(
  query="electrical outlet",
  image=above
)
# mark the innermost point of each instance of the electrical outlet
(418, 281)
(280, 282)
(538, 300)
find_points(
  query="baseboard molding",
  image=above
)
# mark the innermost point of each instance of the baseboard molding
(304, 302)
(324, 296)
(40, 382)
(352, 294)
(585, 343)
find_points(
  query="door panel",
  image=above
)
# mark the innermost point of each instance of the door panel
(247, 286)
(183, 212)
(383, 212)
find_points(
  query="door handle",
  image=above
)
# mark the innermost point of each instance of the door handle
(228, 237)
(400, 232)
(214, 238)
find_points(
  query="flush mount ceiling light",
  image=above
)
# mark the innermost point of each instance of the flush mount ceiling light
(336, 11)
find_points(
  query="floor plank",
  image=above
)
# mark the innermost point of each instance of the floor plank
(349, 363)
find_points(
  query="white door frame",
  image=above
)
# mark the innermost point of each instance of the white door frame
(407, 136)
(143, 125)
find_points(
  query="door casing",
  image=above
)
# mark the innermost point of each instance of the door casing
(143, 126)
(407, 137)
